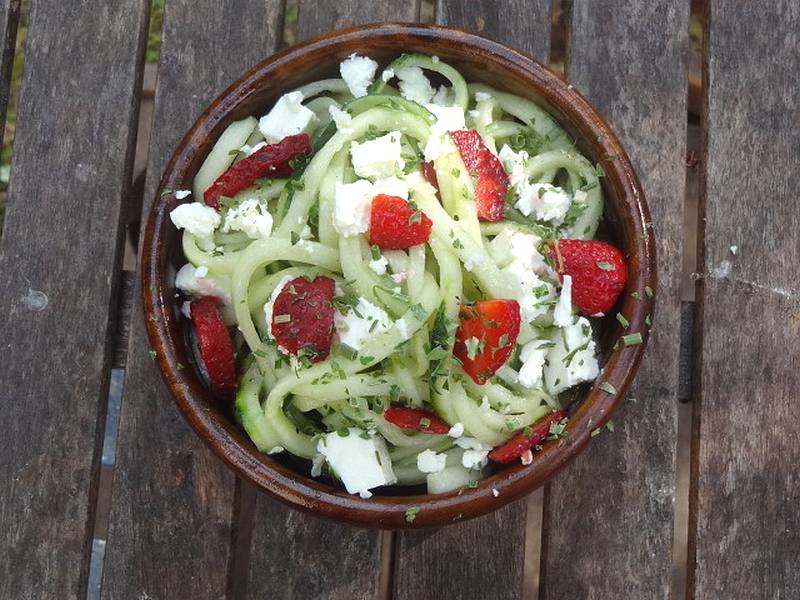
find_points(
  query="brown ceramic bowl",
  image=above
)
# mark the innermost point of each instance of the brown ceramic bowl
(479, 60)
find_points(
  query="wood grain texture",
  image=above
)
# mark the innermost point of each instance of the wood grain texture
(170, 526)
(9, 19)
(484, 557)
(608, 516)
(60, 266)
(747, 439)
(319, 17)
(525, 24)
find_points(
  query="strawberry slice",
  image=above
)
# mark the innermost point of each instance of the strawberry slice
(526, 439)
(492, 181)
(429, 173)
(302, 317)
(396, 224)
(216, 348)
(486, 337)
(415, 418)
(598, 272)
(270, 161)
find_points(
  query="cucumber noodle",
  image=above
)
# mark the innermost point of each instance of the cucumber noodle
(286, 404)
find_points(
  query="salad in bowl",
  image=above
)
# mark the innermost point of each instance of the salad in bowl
(393, 275)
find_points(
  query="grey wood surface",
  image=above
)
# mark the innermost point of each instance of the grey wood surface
(320, 17)
(482, 558)
(9, 19)
(747, 436)
(59, 265)
(173, 501)
(345, 559)
(608, 516)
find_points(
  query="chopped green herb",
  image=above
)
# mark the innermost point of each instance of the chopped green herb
(234, 152)
(394, 393)
(455, 173)
(415, 217)
(608, 388)
(282, 319)
(622, 320)
(152, 354)
(343, 432)
(599, 171)
(418, 311)
(457, 244)
(647, 321)
(632, 339)
(528, 432)
(610, 425)
(365, 360)
(180, 367)
(595, 432)
(295, 237)
(411, 513)
(648, 291)
(605, 266)
(473, 484)
(424, 422)
(503, 341)
(636, 296)
(375, 252)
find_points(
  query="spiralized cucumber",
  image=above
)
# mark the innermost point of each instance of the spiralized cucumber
(286, 404)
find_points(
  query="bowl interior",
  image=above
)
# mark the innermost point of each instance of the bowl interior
(479, 60)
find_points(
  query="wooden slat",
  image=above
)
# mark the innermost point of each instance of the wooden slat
(342, 561)
(608, 517)
(315, 18)
(482, 558)
(9, 18)
(172, 510)
(747, 440)
(59, 269)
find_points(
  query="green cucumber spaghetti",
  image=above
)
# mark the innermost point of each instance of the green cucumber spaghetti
(393, 275)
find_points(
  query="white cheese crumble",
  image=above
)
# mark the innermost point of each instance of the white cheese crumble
(572, 360)
(379, 266)
(360, 323)
(287, 117)
(562, 314)
(351, 207)
(377, 158)
(199, 220)
(248, 149)
(475, 453)
(448, 118)
(456, 431)
(495, 493)
(414, 85)
(249, 217)
(358, 73)
(276, 450)
(532, 357)
(362, 463)
(546, 202)
(182, 194)
(342, 119)
(387, 75)
(429, 461)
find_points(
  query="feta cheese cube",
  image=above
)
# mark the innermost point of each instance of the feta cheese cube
(532, 357)
(545, 201)
(377, 158)
(448, 118)
(361, 323)
(250, 217)
(351, 207)
(572, 360)
(199, 220)
(475, 453)
(358, 73)
(362, 463)
(456, 431)
(514, 164)
(414, 85)
(562, 314)
(287, 117)
(429, 461)
(342, 119)
(379, 265)
(387, 75)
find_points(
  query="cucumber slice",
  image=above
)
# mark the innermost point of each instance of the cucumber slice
(451, 478)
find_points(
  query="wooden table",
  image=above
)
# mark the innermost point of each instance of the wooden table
(180, 525)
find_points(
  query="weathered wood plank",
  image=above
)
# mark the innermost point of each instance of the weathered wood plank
(482, 558)
(608, 516)
(524, 24)
(344, 561)
(60, 267)
(747, 438)
(170, 525)
(315, 18)
(9, 18)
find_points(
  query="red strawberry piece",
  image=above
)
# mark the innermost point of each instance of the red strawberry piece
(526, 439)
(492, 181)
(216, 348)
(415, 418)
(270, 161)
(598, 272)
(302, 317)
(396, 224)
(429, 173)
(495, 326)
